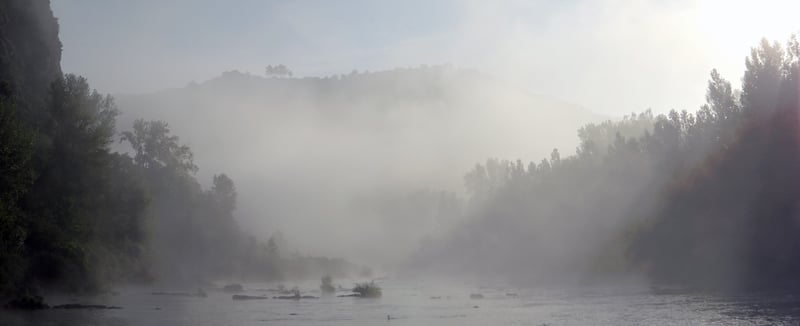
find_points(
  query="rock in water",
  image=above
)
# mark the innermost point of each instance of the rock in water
(84, 306)
(234, 287)
(248, 297)
(199, 294)
(351, 295)
(288, 297)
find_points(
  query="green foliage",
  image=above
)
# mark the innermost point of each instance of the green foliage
(71, 212)
(71, 159)
(595, 139)
(75, 216)
(156, 149)
(704, 199)
(16, 176)
(194, 229)
(737, 210)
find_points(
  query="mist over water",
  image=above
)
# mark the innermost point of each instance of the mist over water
(411, 303)
(358, 165)
(442, 162)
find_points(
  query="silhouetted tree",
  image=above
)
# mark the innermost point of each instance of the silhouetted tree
(705, 199)
(278, 71)
(16, 177)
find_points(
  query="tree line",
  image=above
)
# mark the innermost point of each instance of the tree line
(77, 215)
(702, 200)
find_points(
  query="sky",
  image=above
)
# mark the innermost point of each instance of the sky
(610, 56)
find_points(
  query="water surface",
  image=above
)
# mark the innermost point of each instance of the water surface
(410, 303)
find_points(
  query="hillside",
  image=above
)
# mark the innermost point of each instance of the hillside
(300, 141)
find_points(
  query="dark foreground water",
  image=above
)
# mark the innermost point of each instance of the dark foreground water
(410, 303)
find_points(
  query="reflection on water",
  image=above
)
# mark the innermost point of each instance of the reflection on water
(410, 303)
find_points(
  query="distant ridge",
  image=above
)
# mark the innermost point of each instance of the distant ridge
(304, 147)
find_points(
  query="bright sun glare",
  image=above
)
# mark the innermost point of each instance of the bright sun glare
(736, 26)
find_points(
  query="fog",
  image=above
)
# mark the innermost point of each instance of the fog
(586, 52)
(417, 144)
(343, 165)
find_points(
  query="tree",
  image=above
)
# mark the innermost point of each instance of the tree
(555, 156)
(16, 177)
(326, 285)
(224, 193)
(278, 71)
(721, 100)
(762, 79)
(705, 199)
(156, 149)
(73, 162)
(272, 247)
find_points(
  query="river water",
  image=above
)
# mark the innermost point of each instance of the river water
(413, 303)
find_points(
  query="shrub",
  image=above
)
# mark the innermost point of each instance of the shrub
(367, 290)
(327, 285)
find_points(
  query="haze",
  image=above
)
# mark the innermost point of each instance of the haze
(339, 183)
(593, 53)
(361, 162)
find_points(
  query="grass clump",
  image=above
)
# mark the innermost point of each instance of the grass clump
(368, 290)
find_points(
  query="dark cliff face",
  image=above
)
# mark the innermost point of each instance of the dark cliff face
(30, 51)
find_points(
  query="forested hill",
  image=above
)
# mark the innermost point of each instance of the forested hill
(77, 216)
(704, 199)
(437, 110)
(302, 148)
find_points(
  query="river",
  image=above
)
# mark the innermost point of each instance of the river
(416, 303)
